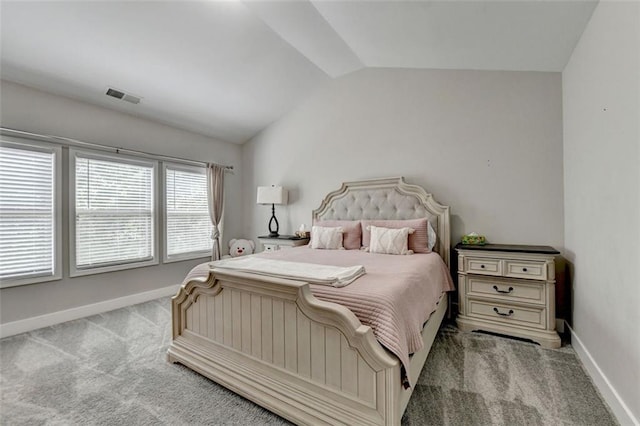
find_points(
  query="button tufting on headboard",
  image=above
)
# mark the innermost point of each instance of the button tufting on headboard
(390, 198)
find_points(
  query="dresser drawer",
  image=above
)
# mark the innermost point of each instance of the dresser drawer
(480, 265)
(518, 291)
(532, 317)
(525, 269)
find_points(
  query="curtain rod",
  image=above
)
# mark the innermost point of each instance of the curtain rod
(74, 142)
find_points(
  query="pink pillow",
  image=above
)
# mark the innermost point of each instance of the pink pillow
(351, 232)
(418, 241)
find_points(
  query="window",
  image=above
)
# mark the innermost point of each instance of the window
(112, 213)
(30, 244)
(187, 223)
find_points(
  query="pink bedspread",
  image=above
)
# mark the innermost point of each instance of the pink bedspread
(395, 297)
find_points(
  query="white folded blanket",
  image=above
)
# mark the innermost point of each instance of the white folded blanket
(336, 276)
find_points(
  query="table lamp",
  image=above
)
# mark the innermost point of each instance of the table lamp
(272, 195)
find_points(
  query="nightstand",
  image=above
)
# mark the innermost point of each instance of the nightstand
(508, 289)
(281, 242)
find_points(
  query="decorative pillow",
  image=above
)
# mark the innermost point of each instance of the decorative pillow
(419, 241)
(351, 232)
(432, 237)
(389, 240)
(326, 238)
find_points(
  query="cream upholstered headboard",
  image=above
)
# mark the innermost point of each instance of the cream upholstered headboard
(388, 198)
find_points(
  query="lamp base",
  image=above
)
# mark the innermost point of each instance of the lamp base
(273, 233)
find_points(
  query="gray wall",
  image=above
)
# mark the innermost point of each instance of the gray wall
(601, 96)
(489, 144)
(39, 112)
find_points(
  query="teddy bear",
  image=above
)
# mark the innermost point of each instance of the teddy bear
(240, 247)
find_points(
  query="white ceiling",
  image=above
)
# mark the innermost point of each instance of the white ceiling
(228, 69)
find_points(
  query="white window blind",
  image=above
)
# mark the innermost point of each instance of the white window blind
(114, 212)
(27, 213)
(188, 226)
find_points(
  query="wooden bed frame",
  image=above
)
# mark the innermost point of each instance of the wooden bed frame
(312, 362)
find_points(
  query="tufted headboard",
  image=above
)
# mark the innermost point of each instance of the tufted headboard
(388, 198)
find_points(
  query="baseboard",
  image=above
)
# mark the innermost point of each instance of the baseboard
(608, 392)
(29, 324)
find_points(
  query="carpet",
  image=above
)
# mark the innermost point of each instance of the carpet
(111, 369)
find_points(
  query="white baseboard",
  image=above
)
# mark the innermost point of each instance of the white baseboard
(608, 392)
(29, 324)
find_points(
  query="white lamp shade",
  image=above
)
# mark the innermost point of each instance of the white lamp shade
(272, 195)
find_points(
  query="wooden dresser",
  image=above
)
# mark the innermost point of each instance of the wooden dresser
(508, 289)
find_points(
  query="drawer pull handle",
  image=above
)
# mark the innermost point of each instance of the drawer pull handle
(501, 314)
(482, 266)
(495, 287)
(524, 269)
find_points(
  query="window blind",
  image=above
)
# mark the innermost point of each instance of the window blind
(114, 212)
(27, 213)
(188, 226)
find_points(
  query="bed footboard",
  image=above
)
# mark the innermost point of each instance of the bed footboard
(271, 341)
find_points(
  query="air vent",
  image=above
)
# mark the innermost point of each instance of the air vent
(127, 97)
(115, 93)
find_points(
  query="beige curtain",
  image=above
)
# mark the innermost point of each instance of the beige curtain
(215, 196)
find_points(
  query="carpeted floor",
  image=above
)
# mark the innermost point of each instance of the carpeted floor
(110, 369)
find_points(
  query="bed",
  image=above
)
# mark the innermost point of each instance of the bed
(311, 361)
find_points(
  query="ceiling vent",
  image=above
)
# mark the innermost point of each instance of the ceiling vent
(119, 94)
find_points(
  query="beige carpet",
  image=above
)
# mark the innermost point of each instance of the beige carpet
(110, 369)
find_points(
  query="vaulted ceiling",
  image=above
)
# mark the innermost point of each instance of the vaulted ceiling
(228, 69)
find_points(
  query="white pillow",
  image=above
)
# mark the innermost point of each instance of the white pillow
(326, 238)
(431, 236)
(390, 241)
